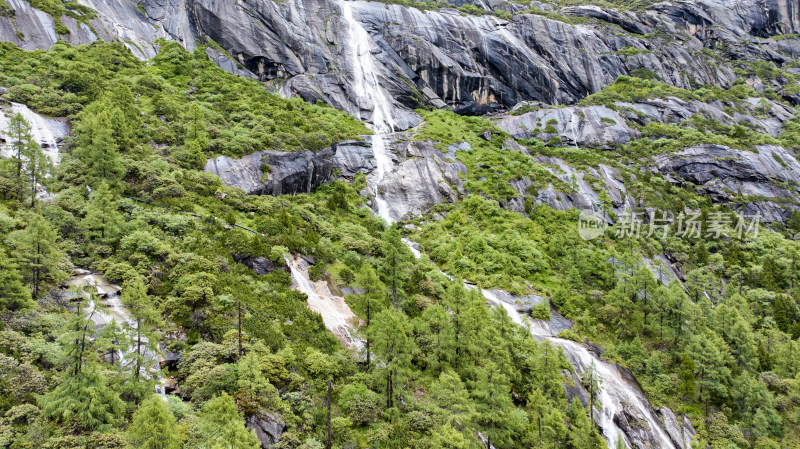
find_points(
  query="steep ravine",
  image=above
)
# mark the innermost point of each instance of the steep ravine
(623, 405)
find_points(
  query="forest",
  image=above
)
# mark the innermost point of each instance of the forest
(439, 369)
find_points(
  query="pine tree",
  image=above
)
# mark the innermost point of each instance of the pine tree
(135, 298)
(372, 301)
(112, 342)
(593, 385)
(220, 426)
(771, 276)
(19, 134)
(393, 346)
(437, 324)
(35, 250)
(154, 426)
(102, 221)
(497, 416)
(97, 149)
(14, 295)
(255, 389)
(84, 400)
(36, 167)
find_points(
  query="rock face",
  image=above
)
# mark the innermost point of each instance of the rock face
(352, 158)
(680, 431)
(473, 64)
(275, 172)
(268, 427)
(766, 178)
(424, 177)
(593, 126)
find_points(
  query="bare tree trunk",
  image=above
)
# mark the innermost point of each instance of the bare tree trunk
(239, 307)
(330, 438)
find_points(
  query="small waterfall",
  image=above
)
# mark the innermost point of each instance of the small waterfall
(616, 389)
(367, 87)
(116, 311)
(336, 314)
(47, 132)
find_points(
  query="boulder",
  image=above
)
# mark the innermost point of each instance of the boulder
(260, 265)
(268, 426)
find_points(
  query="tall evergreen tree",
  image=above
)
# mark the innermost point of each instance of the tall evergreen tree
(372, 301)
(393, 346)
(103, 219)
(97, 149)
(220, 426)
(35, 250)
(14, 295)
(154, 426)
(84, 400)
(21, 143)
(135, 297)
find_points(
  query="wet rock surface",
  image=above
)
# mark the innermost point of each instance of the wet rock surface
(423, 177)
(766, 175)
(444, 58)
(274, 172)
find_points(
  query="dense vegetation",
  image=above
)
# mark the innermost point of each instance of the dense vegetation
(433, 379)
(722, 347)
(441, 369)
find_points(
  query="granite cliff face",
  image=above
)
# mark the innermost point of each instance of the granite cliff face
(444, 58)
(473, 64)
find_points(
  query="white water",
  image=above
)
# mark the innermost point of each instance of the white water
(336, 314)
(615, 388)
(116, 312)
(368, 87)
(45, 131)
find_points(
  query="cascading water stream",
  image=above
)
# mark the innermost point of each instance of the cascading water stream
(615, 389)
(368, 87)
(116, 311)
(336, 314)
(46, 132)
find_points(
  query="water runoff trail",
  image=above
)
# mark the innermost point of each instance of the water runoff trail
(618, 389)
(114, 311)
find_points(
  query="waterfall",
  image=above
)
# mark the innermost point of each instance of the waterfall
(616, 389)
(117, 312)
(368, 87)
(336, 314)
(47, 132)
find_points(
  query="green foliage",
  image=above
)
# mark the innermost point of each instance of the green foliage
(219, 426)
(154, 426)
(13, 293)
(84, 400)
(628, 89)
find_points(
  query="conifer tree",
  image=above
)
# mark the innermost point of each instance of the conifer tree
(393, 346)
(154, 426)
(136, 299)
(21, 142)
(36, 252)
(102, 221)
(14, 295)
(220, 426)
(84, 400)
(372, 301)
(97, 149)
